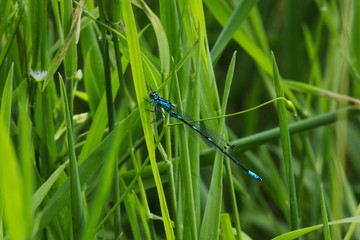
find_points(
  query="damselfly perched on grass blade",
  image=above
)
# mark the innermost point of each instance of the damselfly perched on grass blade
(166, 105)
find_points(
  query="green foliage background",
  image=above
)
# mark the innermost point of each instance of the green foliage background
(82, 158)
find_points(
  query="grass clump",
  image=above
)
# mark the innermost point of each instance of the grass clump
(82, 158)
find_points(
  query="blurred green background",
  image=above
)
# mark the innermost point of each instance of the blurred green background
(83, 157)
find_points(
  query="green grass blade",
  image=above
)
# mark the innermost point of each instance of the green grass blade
(310, 89)
(222, 14)
(111, 125)
(228, 82)
(169, 20)
(93, 67)
(60, 54)
(189, 164)
(353, 226)
(12, 188)
(141, 93)
(211, 220)
(43, 190)
(5, 12)
(286, 147)
(237, 17)
(226, 228)
(298, 233)
(176, 187)
(18, 16)
(1, 218)
(130, 207)
(77, 208)
(327, 234)
(37, 23)
(163, 45)
(95, 132)
(5, 111)
(44, 124)
(229, 78)
(26, 161)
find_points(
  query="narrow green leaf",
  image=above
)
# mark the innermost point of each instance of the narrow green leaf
(237, 17)
(77, 208)
(141, 93)
(228, 82)
(96, 131)
(43, 190)
(27, 156)
(60, 54)
(130, 208)
(112, 10)
(44, 126)
(93, 67)
(6, 99)
(169, 19)
(300, 232)
(229, 78)
(36, 20)
(222, 14)
(310, 89)
(2, 217)
(11, 188)
(226, 231)
(189, 163)
(286, 146)
(211, 219)
(327, 234)
(6, 8)
(163, 45)
(14, 28)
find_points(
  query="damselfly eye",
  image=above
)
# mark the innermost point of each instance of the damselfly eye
(153, 95)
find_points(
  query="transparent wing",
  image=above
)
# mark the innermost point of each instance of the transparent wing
(217, 138)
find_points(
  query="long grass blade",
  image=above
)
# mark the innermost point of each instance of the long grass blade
(12, 188)
(60, 54)
(6, 100)
(240, 13)
(140, 89)
(286, 147)
(77, 207)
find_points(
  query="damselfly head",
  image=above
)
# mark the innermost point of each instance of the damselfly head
(153, 95)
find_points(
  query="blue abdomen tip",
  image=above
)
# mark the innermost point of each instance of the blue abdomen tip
(254, 176)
